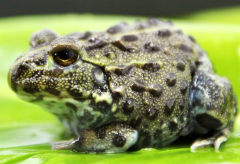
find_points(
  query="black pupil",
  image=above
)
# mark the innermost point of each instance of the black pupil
(65, 54)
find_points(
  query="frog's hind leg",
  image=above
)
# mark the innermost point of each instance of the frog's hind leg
(214, 107)
(112, 138)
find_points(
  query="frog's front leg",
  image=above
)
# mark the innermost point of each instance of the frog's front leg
(214, 107)
(112, 138)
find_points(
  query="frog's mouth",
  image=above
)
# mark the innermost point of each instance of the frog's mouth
(35, 84)
(76, 113)
(48, 98)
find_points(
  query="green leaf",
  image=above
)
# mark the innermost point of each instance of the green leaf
(26, 130)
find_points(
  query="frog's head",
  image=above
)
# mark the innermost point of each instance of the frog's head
(54, 75)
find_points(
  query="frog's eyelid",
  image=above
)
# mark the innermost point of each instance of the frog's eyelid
(64, 43)
(42, 38)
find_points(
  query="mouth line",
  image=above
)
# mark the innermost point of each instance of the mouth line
(39, 98)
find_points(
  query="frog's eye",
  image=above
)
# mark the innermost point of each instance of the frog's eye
(65, 51)
(65, 57)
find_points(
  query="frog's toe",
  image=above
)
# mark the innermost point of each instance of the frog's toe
(215, 141)
(202, 143)
(210, 142)
(219, 141)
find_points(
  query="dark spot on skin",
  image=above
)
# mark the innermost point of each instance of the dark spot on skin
(129, 38)
(181, 104)
(122, 47)
(22, 69)
(171, 79)
(155, 90)
(109, 55)
(151, 66)
(164, 33)
(181, 65)
(183, 87)
(157, 134)
(118, 140)
(207, 121)
(193, 68)
(138, 86)
(72, 106)
(53, 91)
(172, 126)
(96, 43)
(186, 48)
(78, 142)
(151, 113)
(100, 132)
(75, 93)
(128, 106)
(168, 110)
(198, 62)
(85, 35)
(118, 93)
(135, 122)
(192, 39)
(101, 106)
(122, 70)
(40, 61)
(31, 89)
(151, 47)
(117, 28)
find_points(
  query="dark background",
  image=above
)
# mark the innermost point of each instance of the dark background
(123, 7)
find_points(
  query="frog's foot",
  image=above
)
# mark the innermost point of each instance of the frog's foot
(215, 141)
(214, 108)
(112, 138)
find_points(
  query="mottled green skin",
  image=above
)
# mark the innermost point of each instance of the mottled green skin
(142, 77)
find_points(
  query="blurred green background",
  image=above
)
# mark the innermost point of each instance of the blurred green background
(26, 130)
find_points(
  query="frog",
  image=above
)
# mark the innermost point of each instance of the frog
(133, 86)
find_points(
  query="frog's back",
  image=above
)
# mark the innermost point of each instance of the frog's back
(149, 68)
